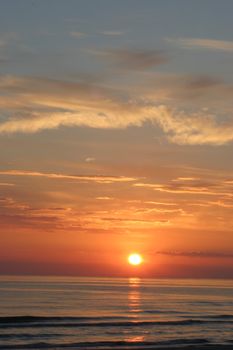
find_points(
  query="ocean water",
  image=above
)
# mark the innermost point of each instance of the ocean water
(104, 313)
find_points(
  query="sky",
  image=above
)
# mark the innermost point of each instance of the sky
(116, 136)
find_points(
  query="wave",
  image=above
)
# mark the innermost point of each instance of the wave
(105, 321)
(108, 344)
(24, 319)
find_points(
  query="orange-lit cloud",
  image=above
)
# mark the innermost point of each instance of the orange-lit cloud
(39, 104)
(93, 178)
(6, 184)
(192, 186)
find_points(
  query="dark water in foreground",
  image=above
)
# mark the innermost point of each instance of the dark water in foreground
(57, 313)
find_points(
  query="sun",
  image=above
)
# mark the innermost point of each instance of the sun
(135, 259)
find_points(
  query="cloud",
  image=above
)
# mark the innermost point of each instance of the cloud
(196, 254)
(38, 104)
(91, 178)
(89, 159)
(197, 128)
(2, 42)
(190, 186)
(6, 184)
(6, 38)
(105, 198)
(176, 189)
(208, 44)
(19, 214)
(220, 203)
(134, 222)
(161, 203)
(78, 35)
(98, 219)
(31, 105)
(186, 179)
(112, 32)
(67, 207)
(133, 59)
(191, 92)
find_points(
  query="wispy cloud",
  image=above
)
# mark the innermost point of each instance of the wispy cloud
(112, 32)
(197, 128)
(6, 38)
(78, 35)
(89, 159)
(176, 204)
(190, 186)
(34, 104)
(105, 198)
(92, 178)
(133, 59)
(221, 203)
(185, 179)
(9, 202)
(196, 254)
(6, 184)
(205, 43)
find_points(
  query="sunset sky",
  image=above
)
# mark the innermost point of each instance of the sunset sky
(116, 136)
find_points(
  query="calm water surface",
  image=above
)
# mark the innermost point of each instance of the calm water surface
(52, 312)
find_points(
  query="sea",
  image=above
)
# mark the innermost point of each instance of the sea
(115, 313)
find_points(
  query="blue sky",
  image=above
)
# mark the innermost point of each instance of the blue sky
(41, 39)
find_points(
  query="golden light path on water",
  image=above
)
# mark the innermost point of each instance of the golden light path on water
(134, 304)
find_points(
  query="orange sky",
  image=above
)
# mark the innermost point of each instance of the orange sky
(88, 227)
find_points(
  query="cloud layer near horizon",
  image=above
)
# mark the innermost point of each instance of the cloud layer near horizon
(30, 105)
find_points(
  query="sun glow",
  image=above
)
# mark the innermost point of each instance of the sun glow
(135, 259)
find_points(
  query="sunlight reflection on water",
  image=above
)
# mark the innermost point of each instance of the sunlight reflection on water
(134, 304)
(134, 296)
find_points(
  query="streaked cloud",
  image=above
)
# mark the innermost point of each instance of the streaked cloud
(198, 128)
(105, 198)
(137, 223)
(196, 254)
(221, 203)
(89, 159)
(92, 178)
(117, 208)
(185, 179)
(112, 32)
(203, 43)
(32, 105)
(9, 202)
(213, 188)
(132, 59)
(6, 184)
(78, 35)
